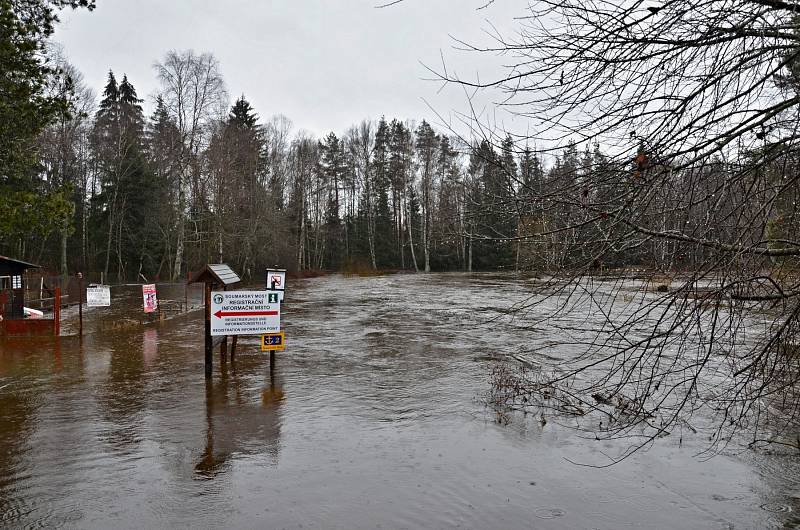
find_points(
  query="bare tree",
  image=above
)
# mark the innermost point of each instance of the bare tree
(696, 105)
(194, 93)
(360, 142)
(64, 149)
(303, 159)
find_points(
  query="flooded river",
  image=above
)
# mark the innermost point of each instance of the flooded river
(373, 418)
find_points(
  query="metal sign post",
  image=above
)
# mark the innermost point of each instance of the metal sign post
(275, 283)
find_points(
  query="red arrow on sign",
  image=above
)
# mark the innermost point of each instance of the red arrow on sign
(223, 314)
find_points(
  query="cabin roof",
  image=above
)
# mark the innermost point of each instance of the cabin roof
(217, 273)
(15, 265)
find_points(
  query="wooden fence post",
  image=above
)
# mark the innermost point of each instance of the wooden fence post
(209, 343)
(57, 312)
(223, 346)
(80, 304)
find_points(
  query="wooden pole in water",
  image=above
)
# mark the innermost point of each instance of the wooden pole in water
(209, 343)
(223, 346)
(233, 346)
(57, 312)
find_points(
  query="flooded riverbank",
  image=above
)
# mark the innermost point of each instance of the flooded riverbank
(374, 418)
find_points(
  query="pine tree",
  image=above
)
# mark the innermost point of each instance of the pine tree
(36, 95)
(237, 166)
(564, 212)
(448, 229)
(385, 242)
(130, 112)
(400, 162)
(26, 107)
(126, 182)
(242, 114)
(108, 105)
(333, 167)
(494, 216)
(163, 150)
(531, 222)
(508, 164)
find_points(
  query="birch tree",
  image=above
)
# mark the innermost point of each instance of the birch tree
(194, 95)
(426, 146)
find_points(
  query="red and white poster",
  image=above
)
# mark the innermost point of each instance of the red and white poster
(150, 299)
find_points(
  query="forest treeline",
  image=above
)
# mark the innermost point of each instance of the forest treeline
(89, 182)
(200, 180)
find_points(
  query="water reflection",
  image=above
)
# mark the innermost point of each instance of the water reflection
(236, 423)
(122, 397)
(149, 347)
(17, 408)
(32, 370)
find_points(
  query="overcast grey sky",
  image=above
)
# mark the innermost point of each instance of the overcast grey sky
(325, 64)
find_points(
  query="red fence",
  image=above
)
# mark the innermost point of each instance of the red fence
(31, 327)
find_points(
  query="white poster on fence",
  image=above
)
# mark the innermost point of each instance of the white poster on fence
(98, 296)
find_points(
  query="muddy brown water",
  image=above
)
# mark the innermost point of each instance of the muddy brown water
(373, 418)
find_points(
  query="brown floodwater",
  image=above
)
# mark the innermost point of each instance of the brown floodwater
(373, 418)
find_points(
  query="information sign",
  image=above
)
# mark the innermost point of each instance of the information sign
(98, 296)
(244, 313)
(276, 279)
(150, 298)
(273, 341)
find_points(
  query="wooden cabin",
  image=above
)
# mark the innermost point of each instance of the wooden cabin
(12, 287)
(12, 303)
